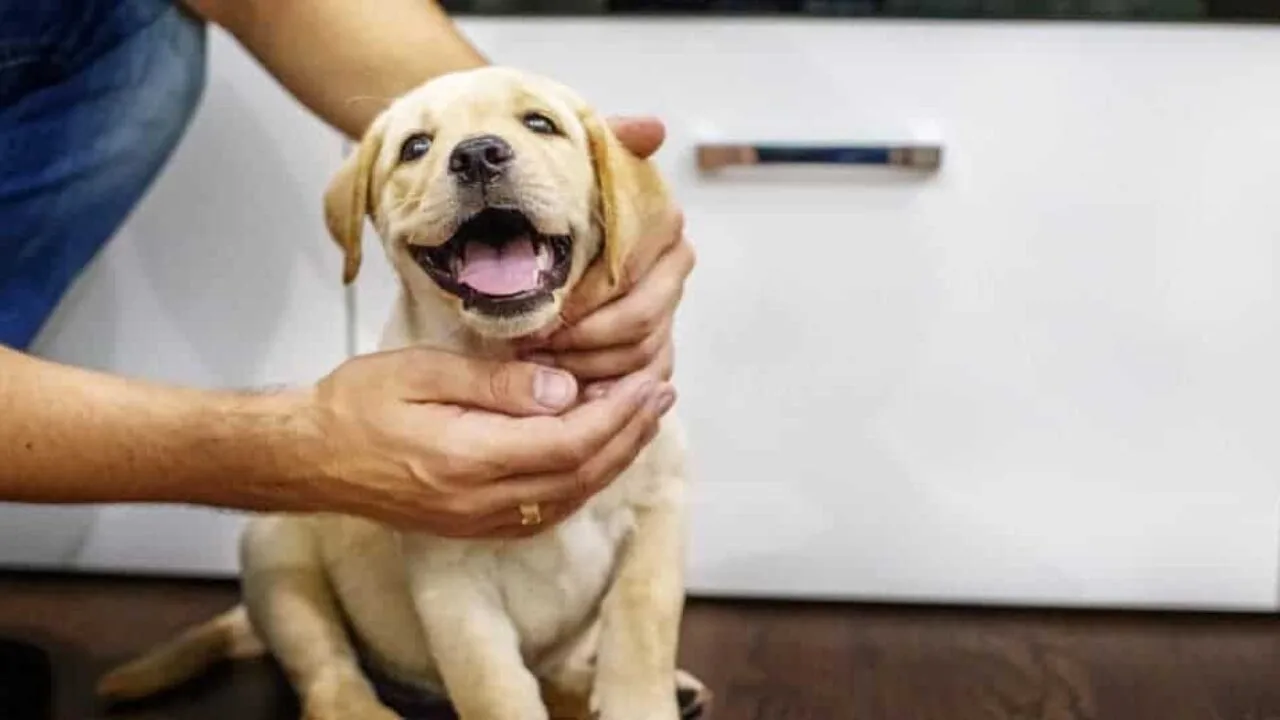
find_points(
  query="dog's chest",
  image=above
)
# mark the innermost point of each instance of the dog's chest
(551, 585)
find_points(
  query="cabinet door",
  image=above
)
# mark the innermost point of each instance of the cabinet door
(222, 277)
(1044, 374)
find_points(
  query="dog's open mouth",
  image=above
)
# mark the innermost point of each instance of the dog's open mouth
(497, 262)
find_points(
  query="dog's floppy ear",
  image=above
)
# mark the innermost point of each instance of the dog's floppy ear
(631, 194)
(347, 200)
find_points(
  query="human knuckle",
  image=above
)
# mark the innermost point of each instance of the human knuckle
(652, 344)
(641, 324)
(628, 276)
(502, 382)
(689, 254)
(459, 466)
(678, 218)
(461, 504)
(420, 471)
(585, 481)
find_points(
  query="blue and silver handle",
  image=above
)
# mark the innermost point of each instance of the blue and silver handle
(712, 157)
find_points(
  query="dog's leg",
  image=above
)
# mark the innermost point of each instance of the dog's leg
(636, 667)
(568, 675)
(297, 616)
(476, 648)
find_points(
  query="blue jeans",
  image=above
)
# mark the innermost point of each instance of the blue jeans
(94, 96)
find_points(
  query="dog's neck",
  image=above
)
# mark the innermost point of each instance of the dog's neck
(427, 323)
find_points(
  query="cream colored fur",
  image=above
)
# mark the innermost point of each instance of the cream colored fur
(579, 621)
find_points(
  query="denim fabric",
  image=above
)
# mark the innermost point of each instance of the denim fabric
(94, 96)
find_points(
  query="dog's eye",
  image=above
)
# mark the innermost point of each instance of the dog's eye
(414, 147)
(540, 124)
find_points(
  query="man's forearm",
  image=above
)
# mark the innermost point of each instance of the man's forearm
(345, 60)
(74, 436)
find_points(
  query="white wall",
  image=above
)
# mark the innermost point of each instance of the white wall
(1041, 376)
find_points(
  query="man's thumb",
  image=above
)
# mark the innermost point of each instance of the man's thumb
(512, 388)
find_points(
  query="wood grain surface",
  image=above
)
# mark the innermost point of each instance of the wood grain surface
(764, 661)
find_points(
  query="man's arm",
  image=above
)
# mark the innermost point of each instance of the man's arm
(345, 60)
(74, 436)
(381, 436)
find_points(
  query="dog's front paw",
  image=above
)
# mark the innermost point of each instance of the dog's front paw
(344, 699)
(691, 700)
(636, 706)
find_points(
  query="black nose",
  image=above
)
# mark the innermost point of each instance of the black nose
(480, 159)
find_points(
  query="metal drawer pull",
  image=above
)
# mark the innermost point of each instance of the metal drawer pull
(712, 157)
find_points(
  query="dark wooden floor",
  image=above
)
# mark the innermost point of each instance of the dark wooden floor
(764, 661)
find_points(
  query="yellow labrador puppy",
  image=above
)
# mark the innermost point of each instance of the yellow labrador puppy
(492, 191)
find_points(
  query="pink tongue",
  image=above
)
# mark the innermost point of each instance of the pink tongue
(506, 271)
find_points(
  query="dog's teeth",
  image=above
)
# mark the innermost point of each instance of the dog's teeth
(544, 256)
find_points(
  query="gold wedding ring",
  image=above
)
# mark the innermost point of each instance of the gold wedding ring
(530, 514)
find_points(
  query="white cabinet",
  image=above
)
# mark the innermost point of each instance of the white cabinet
(223, 277)
(1044, 375)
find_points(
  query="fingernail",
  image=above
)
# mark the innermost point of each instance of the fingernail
(645, 392)
(664, 399)
(552, 389)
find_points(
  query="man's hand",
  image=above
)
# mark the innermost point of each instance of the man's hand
(438, 442)
(608, 332)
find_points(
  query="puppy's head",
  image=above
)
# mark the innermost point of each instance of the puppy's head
(493, 190)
